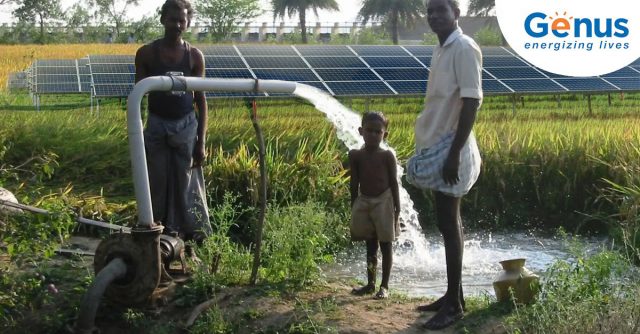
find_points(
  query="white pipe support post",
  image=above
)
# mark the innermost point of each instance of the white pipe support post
(176, 83)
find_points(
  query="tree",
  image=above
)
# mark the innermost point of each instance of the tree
(480, 7)
(222, 16)
(114, 11)
(393, 12)
(40, 11)
(290, 7)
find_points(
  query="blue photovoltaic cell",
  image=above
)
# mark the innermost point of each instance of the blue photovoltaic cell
(57, 78)
(486, 76)
(392, 62)
(425, 60)
(409, 87)
(514, 72)
(502, 61)
(403, 73)
(223, 62)
(636, 62)
(552, 75)
(324, 50)
(112, 68)
(626, 83)
(346, 74)
(112, 90)
(266, 50)
(62, 87)
(286, 74)
(316, 84)
(420, 50)
(625, 72)
(494, 86)
(374, 50)
(228, 73)
(533, 85)
(585, 84)
(218, 50)
(359, 88)
(114, 78)
(334, 62)
(494, 51)
(276, 62)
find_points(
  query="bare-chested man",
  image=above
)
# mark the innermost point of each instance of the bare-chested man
(375, 204)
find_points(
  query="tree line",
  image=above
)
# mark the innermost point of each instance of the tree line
(36, 19)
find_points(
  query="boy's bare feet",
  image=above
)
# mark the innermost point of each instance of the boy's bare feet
(364, 290)
(446, 316)
(435, 306)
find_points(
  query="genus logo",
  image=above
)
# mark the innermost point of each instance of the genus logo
(539, 25)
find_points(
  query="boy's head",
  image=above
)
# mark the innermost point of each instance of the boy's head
(373, 129)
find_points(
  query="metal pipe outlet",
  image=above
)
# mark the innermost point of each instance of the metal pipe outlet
(177, 83)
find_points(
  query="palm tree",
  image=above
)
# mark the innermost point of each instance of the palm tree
(480, 7)
(393, 11)
(290, 7)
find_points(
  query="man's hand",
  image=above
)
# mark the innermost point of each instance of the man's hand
(450, 169)
(199, 154)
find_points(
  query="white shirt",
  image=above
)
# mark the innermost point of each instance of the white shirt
(456, 72)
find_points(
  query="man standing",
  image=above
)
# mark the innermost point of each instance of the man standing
(175, 134)
(446, 145)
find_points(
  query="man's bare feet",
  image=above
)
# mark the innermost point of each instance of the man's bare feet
(435, 306)
(364, 290)
(446, 316)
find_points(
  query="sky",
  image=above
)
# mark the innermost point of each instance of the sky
(348, 12)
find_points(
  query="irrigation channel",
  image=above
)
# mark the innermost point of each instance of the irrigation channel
(419, 262)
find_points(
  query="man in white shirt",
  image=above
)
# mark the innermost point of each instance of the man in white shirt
(454, 94)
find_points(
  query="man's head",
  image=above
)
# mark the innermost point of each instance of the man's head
(176, 14)
(374, 128)
(443, 15)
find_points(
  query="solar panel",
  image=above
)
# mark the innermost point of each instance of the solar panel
(334, 62)
(382, 50)
(502, 61)
(324, 50)
(347, 88)
(420, 50)
(403, 73)
(509, 72)
(409, 87)
(276, 62)
(533, 86)
(57, 76)
(345, 70)
(392, 61)
(346, 74)
(266, 50)
(223, 62)
(585, 84)
(17, 80)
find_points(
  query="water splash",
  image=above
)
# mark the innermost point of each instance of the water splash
(411, 244)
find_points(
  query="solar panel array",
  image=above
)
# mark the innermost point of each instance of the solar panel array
(340, 70)
(59, 76)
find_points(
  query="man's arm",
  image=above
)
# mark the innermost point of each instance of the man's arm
(465, 124)
(141, 61)
(354, 180)
(199, 152)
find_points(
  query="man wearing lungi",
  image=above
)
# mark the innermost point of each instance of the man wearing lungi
(447, 160)
(175, 134)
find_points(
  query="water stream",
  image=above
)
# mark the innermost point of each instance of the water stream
(419, 268)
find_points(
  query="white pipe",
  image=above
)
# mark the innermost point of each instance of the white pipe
(176, 83)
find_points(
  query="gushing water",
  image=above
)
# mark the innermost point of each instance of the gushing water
(419, 267)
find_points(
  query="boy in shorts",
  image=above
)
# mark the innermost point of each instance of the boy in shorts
(375, 204)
